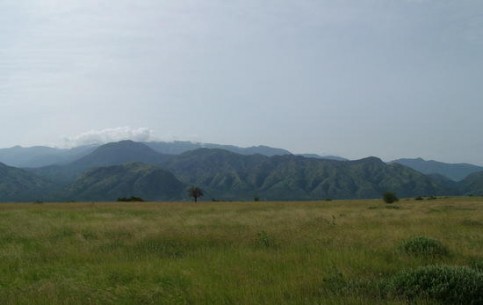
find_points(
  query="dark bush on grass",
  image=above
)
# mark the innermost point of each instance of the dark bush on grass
(389, 197)
(130, 199)
(424, 246)
(444, 284)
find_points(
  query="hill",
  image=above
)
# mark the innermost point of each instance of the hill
(20, 185)
(135, 179)
(455, 172)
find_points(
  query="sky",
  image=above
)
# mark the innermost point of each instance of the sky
(354, 78)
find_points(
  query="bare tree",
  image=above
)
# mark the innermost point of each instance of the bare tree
(195, 192)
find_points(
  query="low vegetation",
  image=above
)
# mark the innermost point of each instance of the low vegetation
(452, 285)
(337, 252)
(389, 197)
(130, 199)
(424, 247)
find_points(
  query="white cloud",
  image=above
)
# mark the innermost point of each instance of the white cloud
(109, 135)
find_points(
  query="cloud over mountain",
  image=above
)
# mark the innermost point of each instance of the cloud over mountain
(108, 135)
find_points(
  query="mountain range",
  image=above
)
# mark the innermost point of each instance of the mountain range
(40, 156)
(154, 171)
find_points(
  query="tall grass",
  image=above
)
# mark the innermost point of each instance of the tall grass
(338, 252)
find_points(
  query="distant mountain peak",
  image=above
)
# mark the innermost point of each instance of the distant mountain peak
(370, 159)
(123, 143)
(453, 171)
(120, 152)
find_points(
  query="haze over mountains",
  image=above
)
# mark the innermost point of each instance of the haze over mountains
(39, 156)
(455, 172)
(163, 171)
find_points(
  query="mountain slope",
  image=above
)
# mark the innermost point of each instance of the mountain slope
(472, 185)
(231, 176)
(19, 185)
(135, 179)
(366, 178)
(220, 172)
(455, 172)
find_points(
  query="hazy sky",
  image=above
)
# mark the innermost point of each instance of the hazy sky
(390, 78)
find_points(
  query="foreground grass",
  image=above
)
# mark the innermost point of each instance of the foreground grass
(335, 252)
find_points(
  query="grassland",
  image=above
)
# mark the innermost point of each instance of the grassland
(338, 252)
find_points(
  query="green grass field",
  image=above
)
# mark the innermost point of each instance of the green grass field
(337, 252)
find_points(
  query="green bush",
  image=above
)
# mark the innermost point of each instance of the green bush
(424, 246)
(444, 284)
(389, 197)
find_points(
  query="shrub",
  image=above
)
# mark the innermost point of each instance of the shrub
(444, 284)
(419, 198)
(130, 199)
(389, 197)
(424, 246)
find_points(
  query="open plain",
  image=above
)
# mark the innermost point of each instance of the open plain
(326, 252)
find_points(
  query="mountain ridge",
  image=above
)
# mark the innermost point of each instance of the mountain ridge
(224, 175)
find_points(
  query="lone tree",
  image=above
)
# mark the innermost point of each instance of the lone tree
(195, 192)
